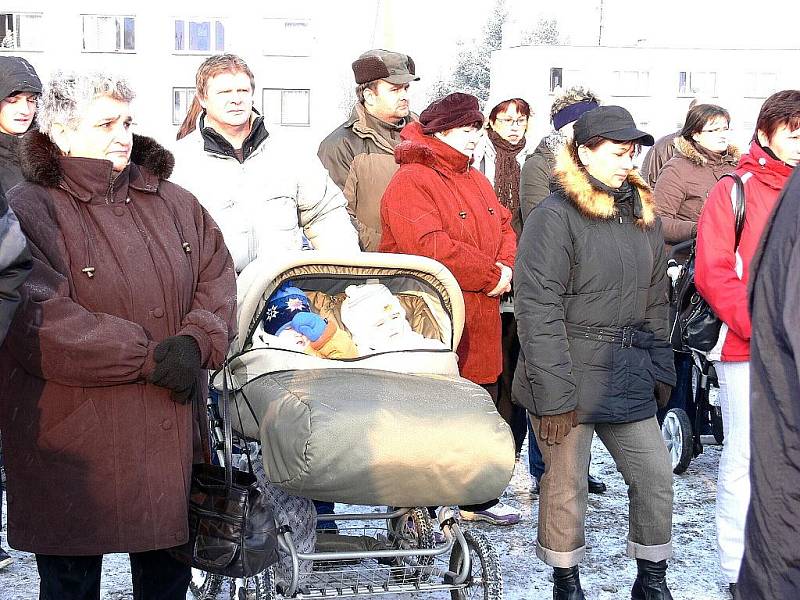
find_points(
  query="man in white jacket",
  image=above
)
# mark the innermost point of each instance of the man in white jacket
(266, 195)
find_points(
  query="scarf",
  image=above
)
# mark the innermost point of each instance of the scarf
(506, 170)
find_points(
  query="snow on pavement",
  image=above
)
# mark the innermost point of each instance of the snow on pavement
(606, 573)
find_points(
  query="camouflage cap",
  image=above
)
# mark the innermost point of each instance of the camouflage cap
(383, 64)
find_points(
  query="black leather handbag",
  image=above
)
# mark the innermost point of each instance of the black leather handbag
(695, 326)
(232, 531)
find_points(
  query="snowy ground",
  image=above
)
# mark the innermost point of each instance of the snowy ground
(606, 573)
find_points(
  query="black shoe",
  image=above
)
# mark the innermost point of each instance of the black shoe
(567, 584)
(651, 582)
(534, 486)
(732, 589)
(596, 486)
(5, 559)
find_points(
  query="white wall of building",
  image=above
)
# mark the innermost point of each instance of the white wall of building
(646, 80)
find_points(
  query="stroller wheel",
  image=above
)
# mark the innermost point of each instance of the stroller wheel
(716, 424)
(414, 530)
(677, 433)
(485, 581)
(259, 587)
(203, 585)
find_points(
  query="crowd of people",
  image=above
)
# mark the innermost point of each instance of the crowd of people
(124, 295)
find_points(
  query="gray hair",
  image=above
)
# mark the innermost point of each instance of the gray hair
(67, 94)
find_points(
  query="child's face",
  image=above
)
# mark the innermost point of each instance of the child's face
(390, 323)
(293, 338)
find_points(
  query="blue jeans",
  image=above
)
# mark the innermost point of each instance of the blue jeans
(535, 460)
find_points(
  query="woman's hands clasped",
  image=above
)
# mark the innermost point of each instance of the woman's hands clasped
(177, 367)
(504, 285)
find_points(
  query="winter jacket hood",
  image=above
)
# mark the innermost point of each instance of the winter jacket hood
(574, 183)
(42, 164)
(17, 75)
(438, 206)
(686, 149)
(430, 151)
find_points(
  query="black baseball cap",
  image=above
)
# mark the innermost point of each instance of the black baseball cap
(610, 122)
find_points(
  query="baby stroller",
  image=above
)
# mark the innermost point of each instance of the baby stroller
(682, 426)
(393, 431)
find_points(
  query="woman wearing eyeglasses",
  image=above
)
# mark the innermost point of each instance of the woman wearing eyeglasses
(703, 155)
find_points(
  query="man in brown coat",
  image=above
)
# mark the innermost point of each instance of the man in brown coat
(359, 154)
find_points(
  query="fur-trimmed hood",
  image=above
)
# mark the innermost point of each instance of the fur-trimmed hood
(39, 159)
(686, 149)
(427, 150)
(594, 203)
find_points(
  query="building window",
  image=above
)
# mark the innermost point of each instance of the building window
(199, 36)
(760, 85)
(108, 34)
(693, 83)
(287, 37)
(181, 101)
(556, 78)
(631, 83)
(21, 31)
(287, 107)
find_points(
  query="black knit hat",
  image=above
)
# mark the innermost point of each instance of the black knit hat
(17, 75)
(454, 110)
(611, 122)
(393, 67)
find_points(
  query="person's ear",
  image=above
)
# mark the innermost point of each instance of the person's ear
(60, 134)
(762, 139)
(584, 155)
(369, 96)
(201, 100)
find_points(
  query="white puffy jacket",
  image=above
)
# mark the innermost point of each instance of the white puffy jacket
(265, 204)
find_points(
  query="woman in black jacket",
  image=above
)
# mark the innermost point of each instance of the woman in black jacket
(591, 307)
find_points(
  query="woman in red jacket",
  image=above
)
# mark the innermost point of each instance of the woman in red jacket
(437, 205)
(721, 278)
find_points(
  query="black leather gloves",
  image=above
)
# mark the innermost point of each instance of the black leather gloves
(663, 392)
(177, 367)
(554, 428)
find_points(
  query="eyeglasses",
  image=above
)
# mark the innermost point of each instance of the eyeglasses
(717, 130)
(519, 122)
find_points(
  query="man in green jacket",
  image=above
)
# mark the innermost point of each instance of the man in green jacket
(359, 154)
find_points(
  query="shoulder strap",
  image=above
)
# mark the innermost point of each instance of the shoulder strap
(739, 204)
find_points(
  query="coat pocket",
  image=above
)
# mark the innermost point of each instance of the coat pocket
(72, 428)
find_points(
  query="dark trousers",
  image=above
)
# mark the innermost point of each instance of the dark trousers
(156, 575)
(513, 414)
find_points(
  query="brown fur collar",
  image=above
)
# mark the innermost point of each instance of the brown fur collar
(39, 158)
(594, 203)
(683, 146)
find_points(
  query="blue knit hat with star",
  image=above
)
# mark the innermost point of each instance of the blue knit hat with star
(282, 306)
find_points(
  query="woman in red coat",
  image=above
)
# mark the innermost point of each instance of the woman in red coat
(437, 205)
(722, 274)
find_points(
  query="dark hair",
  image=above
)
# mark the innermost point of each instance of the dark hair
(210, 68)
(372, 85)
(593, 143)
(523, 108)
(782, 108)
(699, 116)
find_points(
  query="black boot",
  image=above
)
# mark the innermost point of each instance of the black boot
(651, 582)
(567, 584)
(595, 485)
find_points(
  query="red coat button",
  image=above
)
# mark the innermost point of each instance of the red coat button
(158, 312)
(119, 211)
